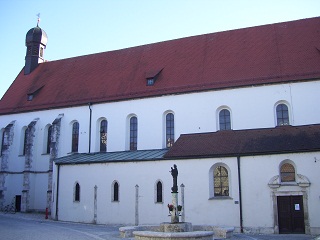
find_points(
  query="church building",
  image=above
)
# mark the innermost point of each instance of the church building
(93, 138)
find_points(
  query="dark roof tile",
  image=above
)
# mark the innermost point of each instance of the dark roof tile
(273, 53)
(284, 139)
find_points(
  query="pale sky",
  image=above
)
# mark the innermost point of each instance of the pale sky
(81, 27)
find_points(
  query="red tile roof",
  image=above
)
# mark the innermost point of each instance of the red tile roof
(273, 53)
(284, 139)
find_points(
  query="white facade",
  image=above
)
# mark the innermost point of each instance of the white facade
(250, 108)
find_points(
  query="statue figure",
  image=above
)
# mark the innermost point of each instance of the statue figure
(174, 173)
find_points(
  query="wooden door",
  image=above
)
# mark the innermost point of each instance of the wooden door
(290, 214)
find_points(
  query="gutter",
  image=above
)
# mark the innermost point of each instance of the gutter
(240, 194)
(57, 197)
(90, 120)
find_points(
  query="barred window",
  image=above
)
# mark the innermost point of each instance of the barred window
(221, 181)
(287, 173)
(75, 137)
(103, 135)
(169, 130)
(282, 115)
(224, 120)
(133, 133)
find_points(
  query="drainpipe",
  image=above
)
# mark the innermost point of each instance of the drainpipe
(240, 198)
(90, 120)
(57, 197)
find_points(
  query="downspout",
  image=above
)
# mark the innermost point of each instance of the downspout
(240, 198)
(57, 197)
(90, 120)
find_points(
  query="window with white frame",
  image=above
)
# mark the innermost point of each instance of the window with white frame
(282, 113)
(103, 135)
(169, 130)
(224, 119)
(75, 137)
(133, 136)
(287, 172)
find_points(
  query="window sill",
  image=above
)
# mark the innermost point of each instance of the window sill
(221, 198)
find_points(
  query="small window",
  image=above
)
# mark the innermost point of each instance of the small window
(159, 192)
(282, 115)
(133, 133)
(41, 52)
(77, 192)
(287, 173)
(169, 130)
(150, 81)
(75, 137)
(49, 139)
(221, 181)
(115, 196)
(103, 135)
(224, 120)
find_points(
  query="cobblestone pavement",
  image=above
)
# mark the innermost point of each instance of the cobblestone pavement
(34, 226)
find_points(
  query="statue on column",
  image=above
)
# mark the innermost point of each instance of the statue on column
(174, 173)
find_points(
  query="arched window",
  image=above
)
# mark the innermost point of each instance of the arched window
(77, 192)
(49, 139)
(103, 135)
(115, 195)
(159, 192)
(287, 173)
(2, 144)
(75, 137)
(133, 133)
(25, 140)
(282, 115)
(224, 120)
(169, 130)
(221, 181)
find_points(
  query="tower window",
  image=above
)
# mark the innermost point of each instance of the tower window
(150, 81)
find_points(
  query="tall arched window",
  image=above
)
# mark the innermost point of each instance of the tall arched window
(169, 130)
(282, 115)
(221, 181)
(25, 141)
(49, 139)
(115, 194)
(2, 145)
(75, 137)
(77, 192)
(133, 133)
(287, 173)
(103, 135)
(159, 192)
(224, 120)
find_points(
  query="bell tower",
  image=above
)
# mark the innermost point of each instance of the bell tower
(36, 41)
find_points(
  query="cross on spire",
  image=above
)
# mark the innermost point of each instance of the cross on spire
(38, 20)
